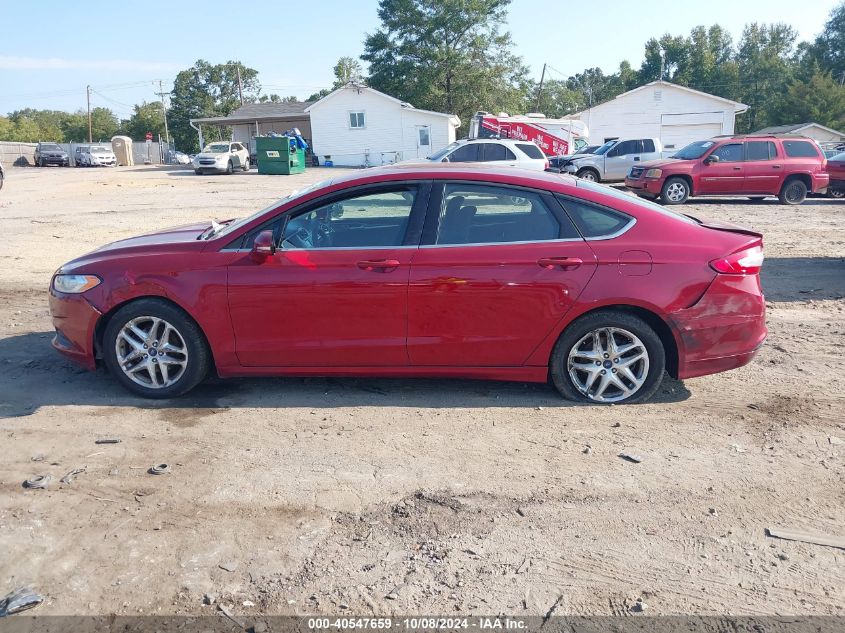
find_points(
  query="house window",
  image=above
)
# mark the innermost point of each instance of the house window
(356, 119)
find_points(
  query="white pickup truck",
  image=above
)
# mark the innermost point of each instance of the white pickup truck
(613, 160)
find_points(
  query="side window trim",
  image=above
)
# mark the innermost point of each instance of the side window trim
(413, 231)
(561, 199)
(435, 202)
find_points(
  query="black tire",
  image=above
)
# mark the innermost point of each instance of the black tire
(589, 174)
(245, 166)
(198, 355)
(229, 168)
(1, 181)
(793, 192)
(583, 326)
(836, 192)
(675, 191)
(198, 172)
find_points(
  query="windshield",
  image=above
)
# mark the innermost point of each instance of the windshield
(439, 155)
(216, 148)
(235, 224)
(838, 157)
(634, 199)
(52, 148)
(99, 148)
(694, 150)
(604, 148)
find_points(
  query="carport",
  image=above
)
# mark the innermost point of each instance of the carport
(256, 119)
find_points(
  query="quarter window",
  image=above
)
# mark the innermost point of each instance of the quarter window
(594, 221)
(363, 221)
(487, 214)
(800, 149)
(531, 150)
(730, 153)
(356, 119)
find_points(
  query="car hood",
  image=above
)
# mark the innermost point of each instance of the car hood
(210, 155)
(662, 162)
(106, 154)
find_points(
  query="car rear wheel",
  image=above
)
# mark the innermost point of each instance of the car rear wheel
(836, 192)
(608, 357)
(590, 175)
(674, 191)
(155, 350)
(793, 192)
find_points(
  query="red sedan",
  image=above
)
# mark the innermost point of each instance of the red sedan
(451, 270)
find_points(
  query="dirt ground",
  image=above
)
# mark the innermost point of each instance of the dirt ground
(294, 496)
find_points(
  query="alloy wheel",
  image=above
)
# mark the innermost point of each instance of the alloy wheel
(793, 192)
(608, 364)
(676, 191)
(151, 352)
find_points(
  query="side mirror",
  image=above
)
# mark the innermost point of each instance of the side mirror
(711, 159)
(263, 246)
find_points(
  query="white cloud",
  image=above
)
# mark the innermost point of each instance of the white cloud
(9, 62)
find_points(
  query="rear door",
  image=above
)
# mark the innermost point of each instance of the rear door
(499, 267)
(497, 154)
(726, 176)
(763, 167)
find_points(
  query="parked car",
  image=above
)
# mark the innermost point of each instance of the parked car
(51, 154)
(787, 167)
(614, 159)
(95, 156)
(498, 152)
(222, 157)
(446, 270)
(836, 171)
(178, 158)
(2, 175)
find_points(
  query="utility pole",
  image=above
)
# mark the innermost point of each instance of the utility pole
(88, 94)
(540, 88)
(161, 94)
(240, 85)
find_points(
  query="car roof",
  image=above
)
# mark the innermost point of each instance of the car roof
(511, 141)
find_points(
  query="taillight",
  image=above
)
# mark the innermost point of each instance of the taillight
(748, 261)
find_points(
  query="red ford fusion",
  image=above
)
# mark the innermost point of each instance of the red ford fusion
(438, 271)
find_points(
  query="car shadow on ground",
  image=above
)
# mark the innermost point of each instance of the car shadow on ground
(803, 278)
(35, 376)
(772, 201)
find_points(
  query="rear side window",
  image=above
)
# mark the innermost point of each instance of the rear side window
(800, 149)
(495, 151)
(648, 145)
(466, 153)
(760, 150)
(531, 150)
(594, 221)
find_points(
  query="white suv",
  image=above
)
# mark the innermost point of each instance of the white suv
(505, 152)
(222, 156)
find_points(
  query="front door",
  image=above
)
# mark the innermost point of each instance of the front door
(621, 158)
(727, 175)
(335, 292)
(498, 269)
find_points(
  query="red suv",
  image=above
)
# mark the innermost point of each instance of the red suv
(786, 167)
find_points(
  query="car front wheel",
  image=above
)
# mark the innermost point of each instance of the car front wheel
(675, 191)
(590, 175)
(229, 168)
(245, 166)
(155, 350)
(608, 357)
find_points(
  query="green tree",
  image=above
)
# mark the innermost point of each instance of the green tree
(446, 55)
(207, 90)
(829, 46)
(104, 125)
(821, 99)
(148, 117)
(319, 95)
(6, 129)
(345, 70)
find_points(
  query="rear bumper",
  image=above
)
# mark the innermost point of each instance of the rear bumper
(74, 320)
(724, 329)
(820, 183)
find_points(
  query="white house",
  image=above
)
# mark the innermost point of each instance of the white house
(358, 126)
(674, 114)
(813, 130)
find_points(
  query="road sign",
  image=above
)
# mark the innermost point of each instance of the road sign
(149, 136)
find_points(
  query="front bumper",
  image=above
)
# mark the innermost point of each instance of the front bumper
(724, 329)
(55, 160)
(74, 320)
(103, 162)
(216, 167)
(649, 187)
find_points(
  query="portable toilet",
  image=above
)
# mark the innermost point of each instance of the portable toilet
(122, 148)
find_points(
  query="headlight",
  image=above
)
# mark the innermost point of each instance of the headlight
(653, 173)
(74, 284)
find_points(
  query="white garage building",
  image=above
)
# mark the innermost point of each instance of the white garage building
(675, 114)
(359, 126)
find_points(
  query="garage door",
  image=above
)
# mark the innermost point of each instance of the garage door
(674, 137)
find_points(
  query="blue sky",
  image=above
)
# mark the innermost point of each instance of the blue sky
(50, 51)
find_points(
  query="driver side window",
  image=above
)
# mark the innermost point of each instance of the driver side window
(363, 221)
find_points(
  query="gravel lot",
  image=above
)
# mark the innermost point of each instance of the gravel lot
(414, 496)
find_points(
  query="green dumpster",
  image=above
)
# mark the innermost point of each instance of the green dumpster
(279, 155)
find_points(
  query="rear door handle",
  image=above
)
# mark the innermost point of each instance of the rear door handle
(737, 168)
(775, 166)
(379, 265)
(560, 262)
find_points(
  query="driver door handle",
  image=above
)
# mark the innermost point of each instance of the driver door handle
(379, 265)
(567, 263)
